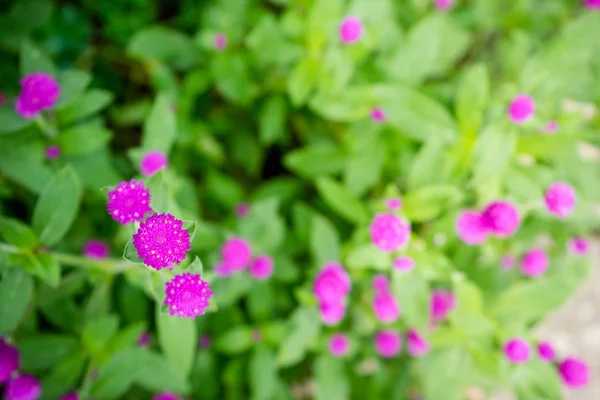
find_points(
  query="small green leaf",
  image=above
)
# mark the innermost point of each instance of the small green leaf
(235, 341)
(156, 374)
(303, 80)
(178, 340)
(472, 98)
(303, 330)
(130, 253)
(264, 227)
(33, 59)
(272, 120)
(17, 233)
(331, 378)
(493, 152)
(160, 126)
(46, 350)
(83, 138)
(63, 376)
(324, 240)
(263, 373)
(97, 333)
(10, 121)
(312, 161)
(195, 267)
(428, 202)
(342, 201)
(91, 102)
(16, 289)
(44, 266)
(158, 43)
(412, 292)
(232, 77)
(72, 84)
(118, 374)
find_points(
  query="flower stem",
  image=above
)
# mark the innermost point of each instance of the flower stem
(48, 130)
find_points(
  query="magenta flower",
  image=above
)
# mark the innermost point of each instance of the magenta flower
(261, 268)
(579, 246)
(23, 387)
(332, 283)
(501, 218)
(535, 263)
(546, 351)
(521, 109)
(381, 284)
(470, 227)
(508, 262)
(153, 161)
(52, 152)
(96, 249)
(517, 351)
(574, 372)
(417, 344)
(39, 92)
(166, 396)
(560, 199)
(9, 361)
(161, 241)
(70, 396)
(351, 30)
(129, 202)
(404, 263)
(393, 203)
(205, 342)
(187, 295)
(386, 308)
(444, 5)
(223, 270)
(378, 115)
(333, 312)
(236, 253)
(550, 127)
(592, 4)
(388, 343)
(442, 303)
(339, 345)
(242, 210)
(220, 41)
(2, 99)
(143, 340)
(389, 232)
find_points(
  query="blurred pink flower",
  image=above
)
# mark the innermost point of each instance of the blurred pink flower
(220, 41)
(153, 161)
(579, 246)
(333, 312)
(223, 270)
(501, 218)
(574, 372)
(388, 343)
(535, 262)
(143, 340)
(404, 263)
(129, 202)
(205, 341)
(592, 4)
(378, 115)
(52, 152)
(560, 199)
(442, 303)
(393, 203)
(351, 30)
(166, 396)
(161, 241)
(381, 284)
(546, 351)
(96, 249)
(386, 308)
(23, 387)
(508, 261)
(332, 284)
(417, 345)
(9, 361)
(261, 268)
(39, 91)
(444, 5)
(550, 127)
(236, 253)
(339, 345)
(242, 209)
(517, 351)
(521, 109)
(187, 295)
(470, 227)
(389, 232)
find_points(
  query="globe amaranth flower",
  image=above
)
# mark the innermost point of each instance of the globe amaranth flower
(332, 283)
(39, 92)
(442, 303)
(560, 199)
(187, 295)
(143, 340)
(444, 5)
(166, 396)
(70, 396)
(153, 161)
(129, 202)
(574, 372)
(470, 227)
(205, 341)
(236, 253)
(508, 261)
(96, 249)
(332, 312)
(417, 345)
(256, 336)
(9, 361)
(535, 262)
(351, 30)
(550, 127)
(261, 268)
(546, 351)
(381, 284)
(386, 308)
(592, 4)
(161, 241)
(23, 387)
(501, 218)
(388, 343)
(339, 345)
(578, 246)
(521, 109)
(393, 203)
(242, 209)
(378, 115)
(223, 270)
(220, 41)
(389, 232)
(517, 351)
(404, 263)
(52, 152)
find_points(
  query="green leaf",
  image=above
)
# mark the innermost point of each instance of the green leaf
(364, 167)
(195, 267)
(261, 301)
(324, 240)
(164, 44)
(228, 291)
(272, 120)
(323, 15)
(428, 166)
(493, 152)
(17, 233)
(45, 267)
(33, 59)
(444, 373)
(22, 160)
(91, 102)
(303, 330)
(31, 14)
(428, 202)
(83, 138)
(97, 333)
(130, 253)
(262, 372)
(10, 121)
(45, 351)
(16, 289)
(472, 98)
(118, 374)
(72, 82)
(303, 80)
(312, 161)
(235, 341)
(232, 77)
(263, 227)
(63, 377)
(205, 381)
(412, 292)
(342, 201)
(178, 340)
(159, 191)
(331, 379)
(160, 126)
(57, 206)
(156, 374)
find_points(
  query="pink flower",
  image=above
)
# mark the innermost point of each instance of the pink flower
(404, 263)
(550, 127)
(129, 202)
(96, 249)
(166, 396)
(242, 210)
(417, 345)
(378, 115)
(394, 203)
(9, 361)
(521, 109)
(52, 152)
(339, 344)
(333, 312)
(381, 284)
(23, 387)
(560, 199)
(261, 268)
(388, 343)
(143, 340)
(2, 99)
(386, 308)
(592, 4)
(578, 246)
(546, 351)
(574, 372)
(444, 5)
(161, 241)
(236, 253)
(256, 336)
(442, 303)
(39, 91)
(152, 162)
(517, 351)
(351, 30)
(187, 295)
(508, 262)
(535, 262)
(223, 270)
(501, 218)
(70, 396)
(204, 342)
(332, 283)
(220, 41)
(470, 227)
(389, 232)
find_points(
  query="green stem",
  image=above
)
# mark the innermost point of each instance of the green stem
(45, 127)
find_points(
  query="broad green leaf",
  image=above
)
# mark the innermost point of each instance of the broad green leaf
(323, 15)
(16, 289)
(63, 377)
(342, 201)
(91, 102)
(45, 350)
(364, 167)
(72, 82)
(156, 374)
(97, 333)
(22, 160)
(430, 201)
(412, 292)
(160, 126)
(29, 15)
(261, 301)
(164, 44)
(312, 161)
(45, 267)
(444, 372)
(304, 329)
(324, 240)
(118, 374)
(10, 121)
(262, 372)
(159, 191)
(263, 227)
(472, 97)
(33, 59)
(368, 256)
(235, 341)
(428, 166)
(351, 104)
(303, 80)
(17, 233)
(493, 152)
(272, 120)
(83, 138)
(204, 378)
(228, 291)
(232, 77)
(331, 380)
(178, 340)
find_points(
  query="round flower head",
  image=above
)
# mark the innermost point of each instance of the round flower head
(508, 262)
(187, 295)
(70, 396)
(578, 246)
(574, 372)
(166, 396)
(52, 152)
(339, 344)
(560, 199)
(129, 202)
(381, 284)
(96, 249)
(236, 253)
(39, 91)
(332, 313)
(521, 109)
(261, 268)
(393, 203)
(442, 303)
(389, 232)
(143, 340)
(535, 262)
(386, 308)
(444, 5)
(204, 342)
(9, 361)
(223, 270)
(220, 41)
(501, 218)
(351, 30)
(592, 4)
(242, 210)
(417, 345)
(404, 263)
(378, 115)
(23, 387)
(161, 241)
(470, 227)
(332, 284)
(546, 351)
(550, 127)
(517, 351)
(388, 343)
(152, 162)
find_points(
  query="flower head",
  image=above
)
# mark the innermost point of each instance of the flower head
(444, 5)
(470, 227)
(546, 351)
(389, 232)
(417, 344)
(52, 152)
(23, 387)
(220, 41)
(381, 284)
(535, 262)
(9, 361)
(378, 115)
(96, 249)
(574, 372)
(393, 203)
(166, 396)
(70, 396)
(143, 340)
(187, 295)
(242, 210)
(388, 343)
(501, 218)
(517, 350)
(153, 161)
(507, 262)
(550, 127)
(129, 202)
(332, 283)
(579, 246)
(39, 91)
(223, 270)
(592, 4)
(404, 263)
(339, 345)
(205, 341)
(333, 312)
(261, 268)
(386, 308)
(442, 303)
(236, 253)
(351, 30)
(560, 199)
(161, 241)
(521, 109)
